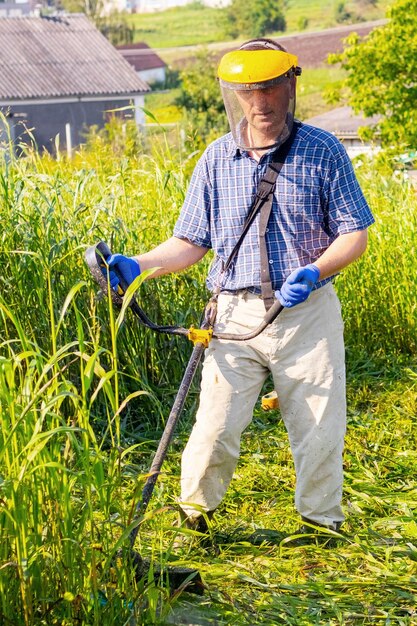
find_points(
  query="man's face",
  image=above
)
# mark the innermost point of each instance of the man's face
(266, 109)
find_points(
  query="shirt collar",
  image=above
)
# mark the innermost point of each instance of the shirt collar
(234, 152)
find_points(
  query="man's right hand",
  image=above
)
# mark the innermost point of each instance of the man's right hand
(127, 267)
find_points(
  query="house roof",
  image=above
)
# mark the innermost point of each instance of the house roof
(141, 56)
(56, 57)
(342, 122)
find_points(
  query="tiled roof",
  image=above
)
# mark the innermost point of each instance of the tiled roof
(55, 57)
(141, 56)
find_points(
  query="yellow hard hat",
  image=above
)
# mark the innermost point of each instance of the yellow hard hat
(254, 69)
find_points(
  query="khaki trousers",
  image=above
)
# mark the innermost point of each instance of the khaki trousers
(304, 351)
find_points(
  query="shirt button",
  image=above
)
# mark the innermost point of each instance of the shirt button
(270, 261)
(267, 230)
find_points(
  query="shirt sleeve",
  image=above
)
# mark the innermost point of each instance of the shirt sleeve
(347, 210)
(193, 223)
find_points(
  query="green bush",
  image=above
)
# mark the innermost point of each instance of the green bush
(254, 18)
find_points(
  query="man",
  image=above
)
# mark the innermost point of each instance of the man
(317, 226)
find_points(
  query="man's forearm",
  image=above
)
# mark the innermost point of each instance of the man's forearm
(343, 251)
(173, 255)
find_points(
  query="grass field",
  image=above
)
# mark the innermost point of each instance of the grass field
(181, 26)
(197, 25)
(85, 392)
(320, 14)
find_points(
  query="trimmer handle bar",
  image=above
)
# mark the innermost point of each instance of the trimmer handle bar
(96, 257)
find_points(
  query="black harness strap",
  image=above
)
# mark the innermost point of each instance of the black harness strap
(263, 201)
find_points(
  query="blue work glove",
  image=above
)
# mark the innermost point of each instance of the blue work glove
(298, 285)
(127, 267)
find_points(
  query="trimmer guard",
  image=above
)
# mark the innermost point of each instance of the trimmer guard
(96, 257)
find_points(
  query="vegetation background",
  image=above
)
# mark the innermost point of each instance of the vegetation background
(196, 24)
(85, 392)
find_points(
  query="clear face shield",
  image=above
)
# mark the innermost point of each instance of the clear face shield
(260, 118)
(260, 110)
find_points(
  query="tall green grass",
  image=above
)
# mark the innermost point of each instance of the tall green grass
(84, 392)
(378, 292)
(67, 489)
(71, 412)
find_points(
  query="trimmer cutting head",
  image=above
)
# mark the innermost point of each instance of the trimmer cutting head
(96, 257)
(176, 578)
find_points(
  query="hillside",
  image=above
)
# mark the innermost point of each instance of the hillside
(195, 24)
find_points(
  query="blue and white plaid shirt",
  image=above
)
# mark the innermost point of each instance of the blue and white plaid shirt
(316, 199)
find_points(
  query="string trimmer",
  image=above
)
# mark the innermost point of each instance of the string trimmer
(178, 577)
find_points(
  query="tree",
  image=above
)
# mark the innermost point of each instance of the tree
(201, 100)
(254, 18)
(382, 76)
(114, 25)
(92, 8)
(116, 28)
(341, 13)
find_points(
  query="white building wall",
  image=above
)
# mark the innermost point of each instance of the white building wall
(147, 6)
(139, 103)
(216, 3)
(109, 6)
(156, 75)
(18, 8)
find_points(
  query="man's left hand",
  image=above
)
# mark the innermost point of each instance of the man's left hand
(298, 285)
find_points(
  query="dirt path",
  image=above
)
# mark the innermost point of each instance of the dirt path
(312, 48)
